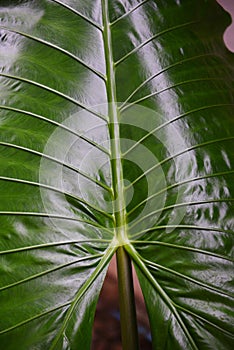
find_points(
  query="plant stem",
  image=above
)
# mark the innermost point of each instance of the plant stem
(128, 320)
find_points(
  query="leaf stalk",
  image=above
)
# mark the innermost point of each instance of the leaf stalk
(129, 331)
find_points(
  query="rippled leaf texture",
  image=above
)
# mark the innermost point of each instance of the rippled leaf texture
(165, 63)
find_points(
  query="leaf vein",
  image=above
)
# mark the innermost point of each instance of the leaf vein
(89, 20)
(68, 166)
(60, 49)
(182, 205)
(128, 13)
(207, 143)
(179, 26)
(53, 244)
(46, 272)
(168, 301)
(168, 122)
(54, 91)
(20, 324)
(182, 247)
(156, 93)
(163, 70)
(62, 126)
(104, 261)
(188, 278)
(177, 184)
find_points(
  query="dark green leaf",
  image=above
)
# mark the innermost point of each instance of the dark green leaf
(94, 92)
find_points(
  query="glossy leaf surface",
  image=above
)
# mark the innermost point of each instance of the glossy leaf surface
(116, 129)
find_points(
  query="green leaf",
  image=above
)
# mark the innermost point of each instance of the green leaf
(116, 129)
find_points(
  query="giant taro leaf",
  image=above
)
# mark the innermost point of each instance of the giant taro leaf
(117, 129)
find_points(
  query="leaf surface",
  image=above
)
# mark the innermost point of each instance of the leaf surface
(116, 129)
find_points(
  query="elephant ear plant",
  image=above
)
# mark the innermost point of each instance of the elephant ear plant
(116, 137)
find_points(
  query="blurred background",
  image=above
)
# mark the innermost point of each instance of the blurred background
(228, 5)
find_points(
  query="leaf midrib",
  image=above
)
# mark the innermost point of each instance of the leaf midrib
(119, 211)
